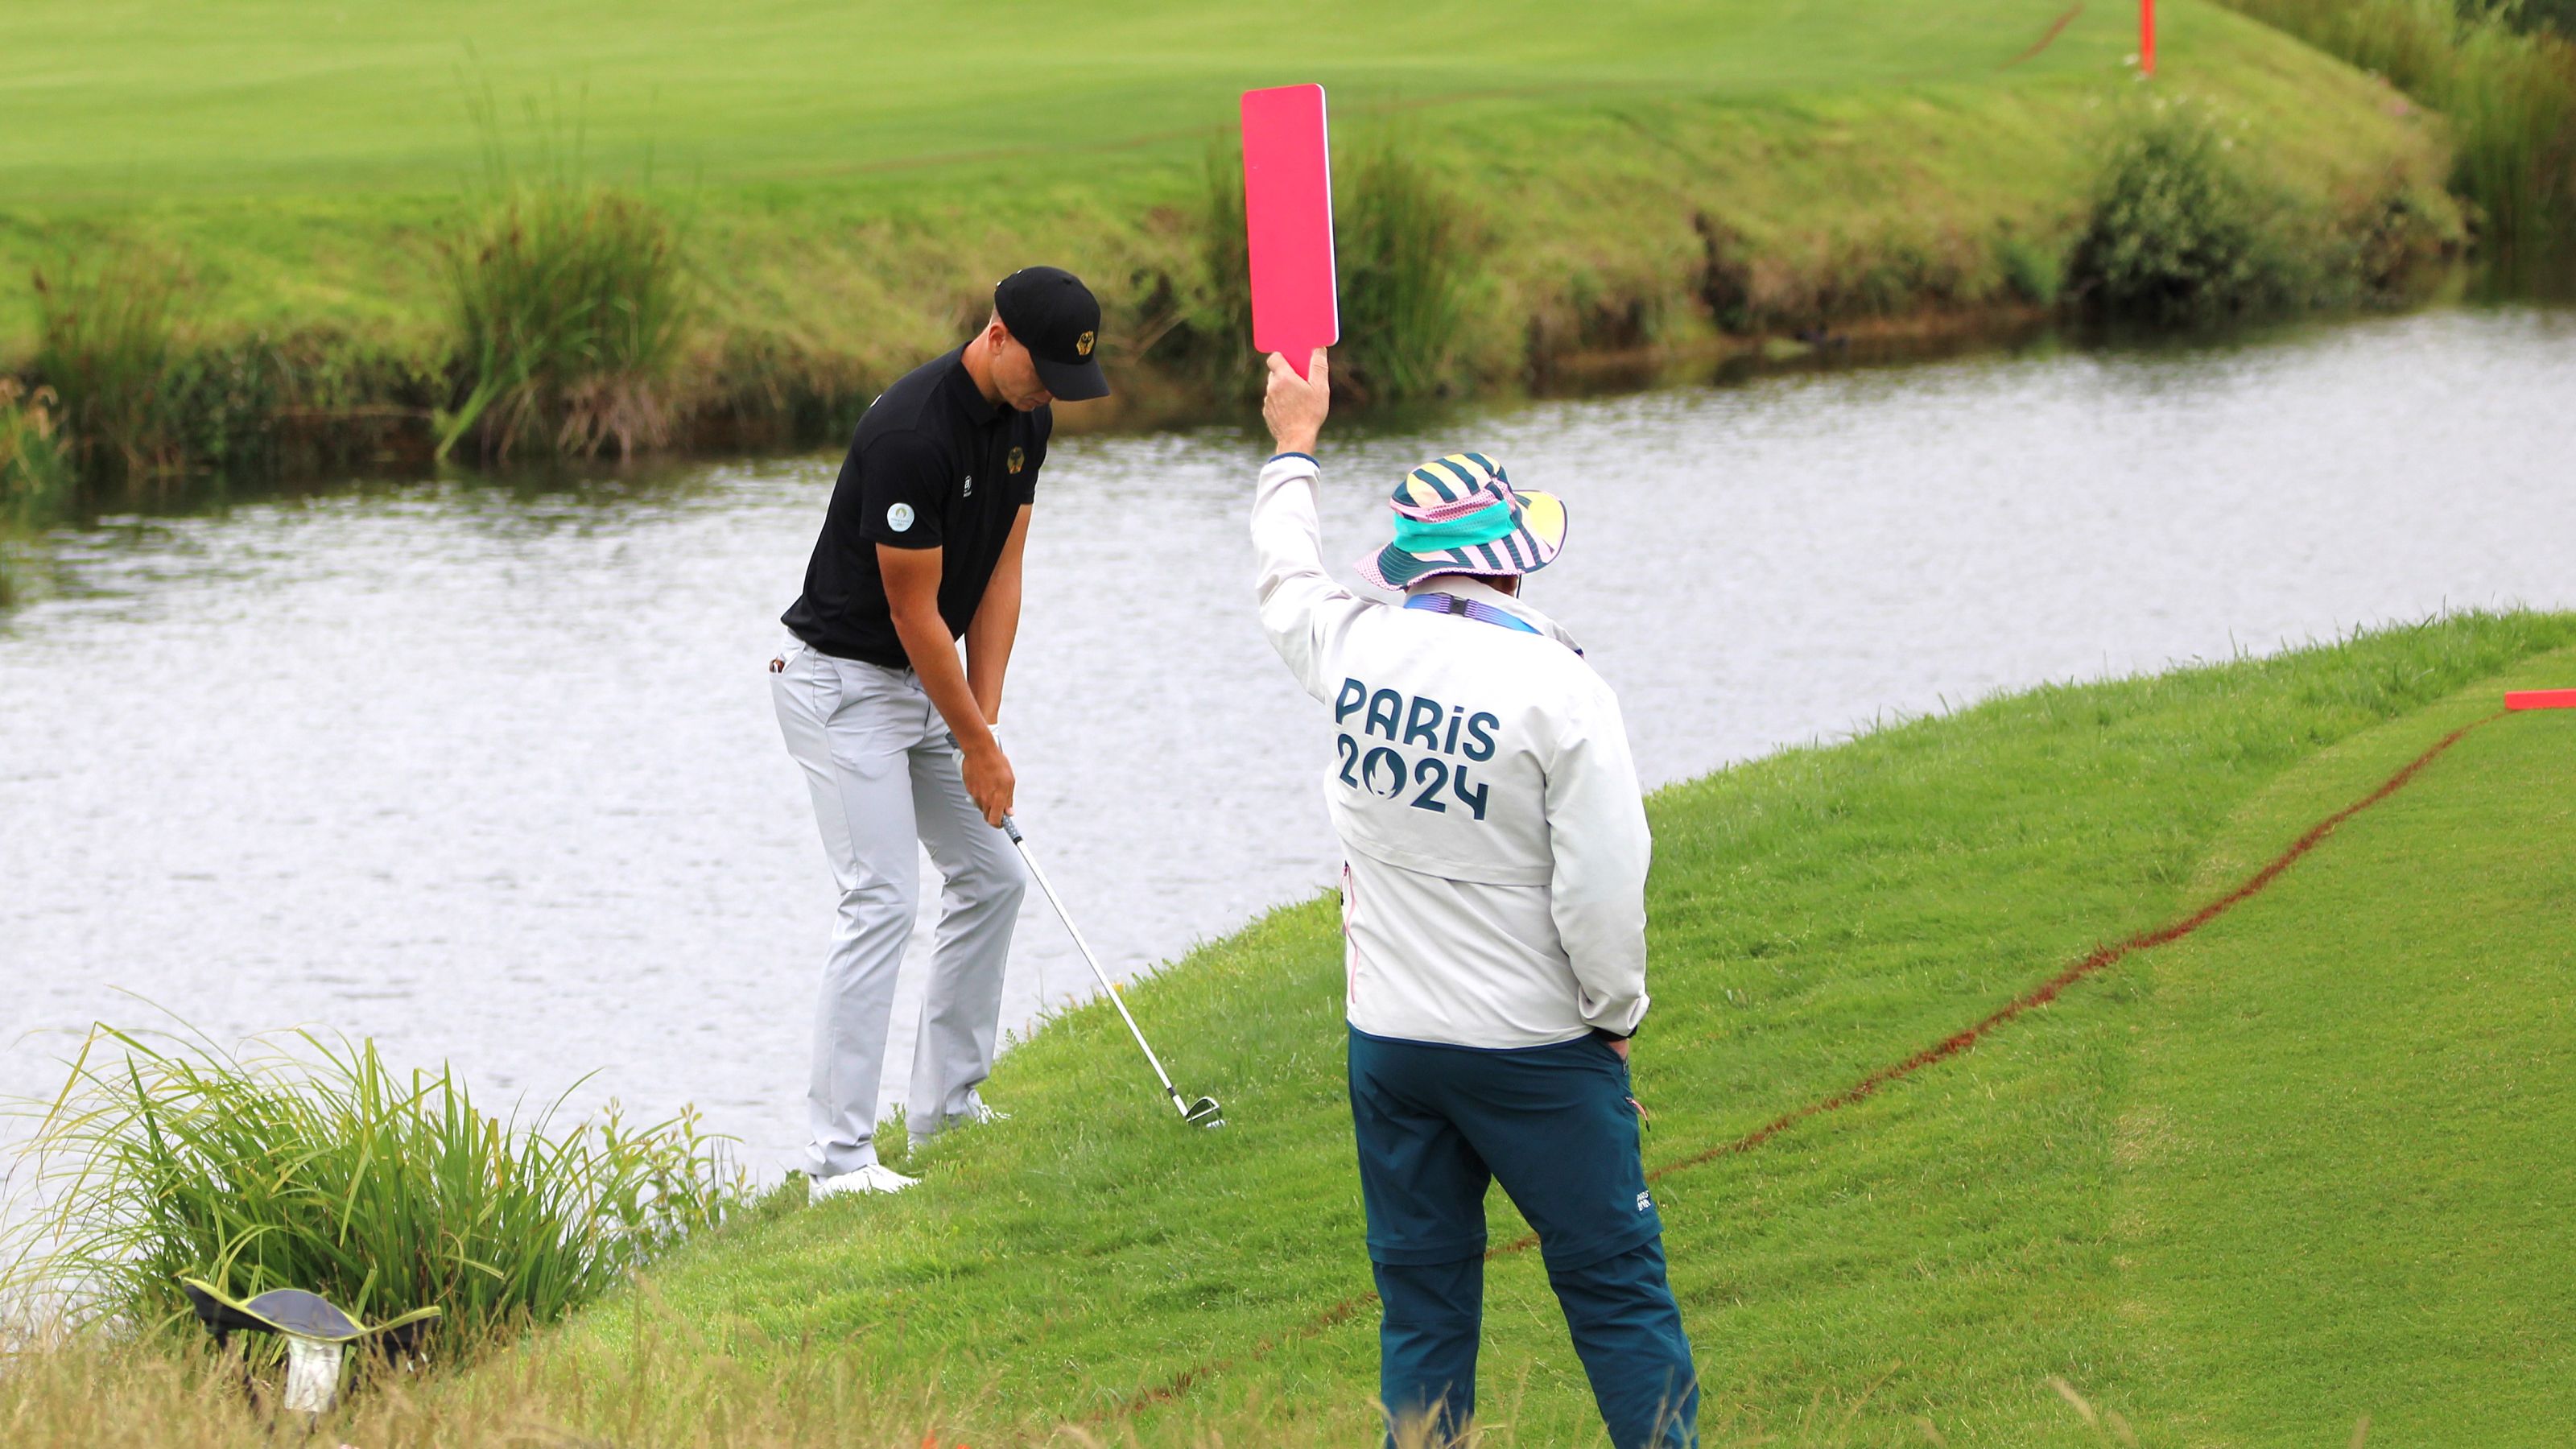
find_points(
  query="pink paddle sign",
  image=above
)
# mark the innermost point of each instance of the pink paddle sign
(1288, 222)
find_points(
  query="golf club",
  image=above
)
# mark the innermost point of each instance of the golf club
(1202, 1113)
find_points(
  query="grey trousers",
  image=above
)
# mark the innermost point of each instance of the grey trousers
(884, 775)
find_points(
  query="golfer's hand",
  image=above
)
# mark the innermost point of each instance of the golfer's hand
(989, 782)
(1294, 406)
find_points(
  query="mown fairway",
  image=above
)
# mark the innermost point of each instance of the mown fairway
(2297, 1168)
(141, 101)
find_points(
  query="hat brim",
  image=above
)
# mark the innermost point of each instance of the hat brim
(1072, 381)
(1533, 544)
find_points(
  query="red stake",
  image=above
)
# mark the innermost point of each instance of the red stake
(2540, 699)
(2147, 36)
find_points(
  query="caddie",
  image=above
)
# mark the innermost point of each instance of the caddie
(921, 547)
(1494, 851)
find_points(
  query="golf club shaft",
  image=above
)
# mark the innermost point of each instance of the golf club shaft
(1012, 828)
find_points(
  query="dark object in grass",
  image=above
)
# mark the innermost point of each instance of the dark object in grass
(317, 1333)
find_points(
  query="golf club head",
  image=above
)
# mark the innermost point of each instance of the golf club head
(1204, 1113)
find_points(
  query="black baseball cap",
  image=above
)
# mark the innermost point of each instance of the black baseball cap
(1057, 319)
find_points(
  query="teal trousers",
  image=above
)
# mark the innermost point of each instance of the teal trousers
(1436, 1127)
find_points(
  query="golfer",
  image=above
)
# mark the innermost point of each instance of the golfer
(1493, 906)
(921, 546)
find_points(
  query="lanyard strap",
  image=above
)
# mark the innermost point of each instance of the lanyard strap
(1475, 609)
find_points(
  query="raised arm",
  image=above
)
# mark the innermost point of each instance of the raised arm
(1302, 609)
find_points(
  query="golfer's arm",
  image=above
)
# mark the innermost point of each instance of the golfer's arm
(997, 623)
(912, 596)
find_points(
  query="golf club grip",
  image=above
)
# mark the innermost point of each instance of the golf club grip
(1010, 827)
(1106, 985)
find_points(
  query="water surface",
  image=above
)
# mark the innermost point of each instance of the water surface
(490, 773)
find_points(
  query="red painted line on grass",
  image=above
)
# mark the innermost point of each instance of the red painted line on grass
(2100, 959)
(2541, 699)
(2047, 40)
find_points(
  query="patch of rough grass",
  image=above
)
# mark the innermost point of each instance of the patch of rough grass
(310, 1164)
(568, 305)
(2509, 91)
(1409, 251)
(35, 464)
(107, 333)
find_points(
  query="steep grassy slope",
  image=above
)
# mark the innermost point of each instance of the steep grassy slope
(1939, 1249)
(2246, 1187)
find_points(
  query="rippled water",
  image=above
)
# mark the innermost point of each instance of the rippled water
(491, 774)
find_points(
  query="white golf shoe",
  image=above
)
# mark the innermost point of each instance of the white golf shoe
(876, 1177)
(977, 1114)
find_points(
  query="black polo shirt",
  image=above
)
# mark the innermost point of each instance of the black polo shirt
(933, 466)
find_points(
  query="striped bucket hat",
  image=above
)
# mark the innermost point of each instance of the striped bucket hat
(1460, 515)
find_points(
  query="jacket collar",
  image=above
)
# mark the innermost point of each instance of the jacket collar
(1468, 587)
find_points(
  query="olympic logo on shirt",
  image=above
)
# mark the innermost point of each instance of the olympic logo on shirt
(1414, 721)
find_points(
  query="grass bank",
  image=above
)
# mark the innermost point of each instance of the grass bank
(2505, 75)
(2248, 1187)
(845, 184)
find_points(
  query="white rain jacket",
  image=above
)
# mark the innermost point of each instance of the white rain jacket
(1493, 833)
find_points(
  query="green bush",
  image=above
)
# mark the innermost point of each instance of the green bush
(568, 305)
(315, 1166)
(2177, 233)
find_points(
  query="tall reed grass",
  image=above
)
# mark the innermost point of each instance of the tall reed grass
(35, 467)
(1212, 338)
(1410, 256)
(106, 337)
(311, 1164)
(2508, 89)
(568, 305)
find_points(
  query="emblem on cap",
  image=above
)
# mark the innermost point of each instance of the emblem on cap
(1018, 457)
(1082, 345)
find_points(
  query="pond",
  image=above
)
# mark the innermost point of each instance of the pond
(489, 772)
